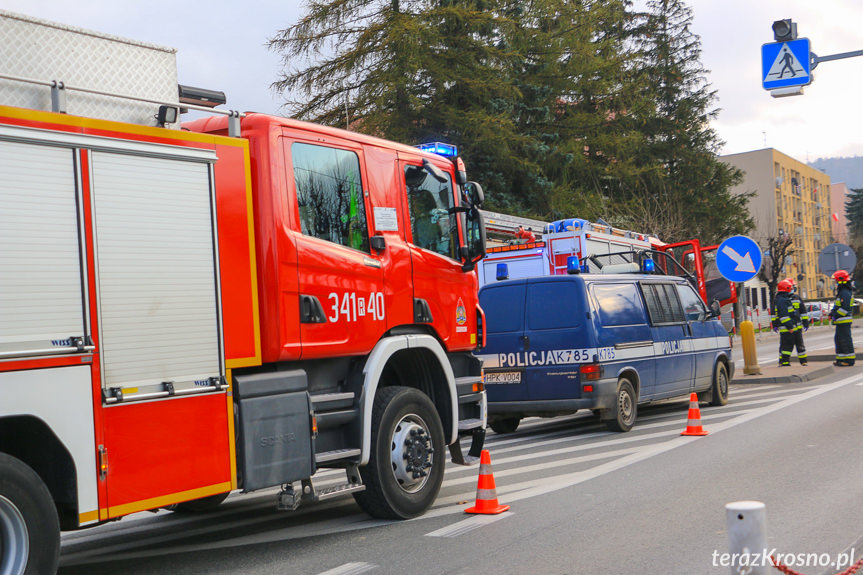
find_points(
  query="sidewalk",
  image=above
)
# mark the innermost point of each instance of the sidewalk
(820, 361)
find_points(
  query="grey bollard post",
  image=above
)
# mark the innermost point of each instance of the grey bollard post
(747, 538)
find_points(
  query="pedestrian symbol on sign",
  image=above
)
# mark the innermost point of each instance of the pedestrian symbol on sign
(785, 62)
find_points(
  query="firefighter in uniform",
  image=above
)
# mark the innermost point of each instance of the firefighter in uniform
(802, 321)
(785, 321)
(841, 318)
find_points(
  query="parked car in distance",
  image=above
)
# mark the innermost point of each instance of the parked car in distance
(817, 310)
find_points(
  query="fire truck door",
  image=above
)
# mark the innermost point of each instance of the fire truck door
(342, 304)
(165, 418)
(41, 292)
(434, 239)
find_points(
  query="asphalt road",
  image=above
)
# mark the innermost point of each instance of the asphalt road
(583, 500)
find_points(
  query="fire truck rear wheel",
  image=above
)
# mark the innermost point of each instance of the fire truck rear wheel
(406, 464)
(29, 528)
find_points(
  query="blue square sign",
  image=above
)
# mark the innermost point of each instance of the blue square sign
(785, 64)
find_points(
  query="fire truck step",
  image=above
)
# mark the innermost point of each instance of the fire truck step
(468, 424)
(332, 401)
(330, 492)
(333, 419)
(336, 455)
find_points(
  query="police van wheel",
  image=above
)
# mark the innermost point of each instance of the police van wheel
(507, 425)
(406, 464)
(29, 528)
(622, 415)
(719, 395)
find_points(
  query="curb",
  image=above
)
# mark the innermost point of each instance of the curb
(791, 378)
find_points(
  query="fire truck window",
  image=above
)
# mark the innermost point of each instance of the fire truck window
(663, 305)
(433, 227)
(330, 195)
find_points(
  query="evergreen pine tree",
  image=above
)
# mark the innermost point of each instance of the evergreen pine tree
(693, 186)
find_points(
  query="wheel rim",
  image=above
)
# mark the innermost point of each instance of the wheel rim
(411, 453)
(723, 383)
(624, 406)
(14, 539)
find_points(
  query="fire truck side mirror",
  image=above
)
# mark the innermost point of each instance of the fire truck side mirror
(474, 194)
(474, 248)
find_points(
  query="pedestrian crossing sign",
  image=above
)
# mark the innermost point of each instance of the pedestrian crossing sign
(785, 64)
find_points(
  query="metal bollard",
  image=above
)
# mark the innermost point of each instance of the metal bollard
(747, 538)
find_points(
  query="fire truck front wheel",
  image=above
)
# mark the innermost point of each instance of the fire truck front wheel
(406, 465)
(29, 528)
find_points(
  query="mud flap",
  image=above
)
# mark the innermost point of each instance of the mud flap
(473, 454)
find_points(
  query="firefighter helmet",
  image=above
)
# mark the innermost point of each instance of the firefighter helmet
(841, 276)
(785, 285)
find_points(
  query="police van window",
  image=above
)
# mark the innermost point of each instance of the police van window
(553, 305)
(500, 313)
(433, 227)
(618, 304)
(693, 307)
(330, 195)
(663, 305)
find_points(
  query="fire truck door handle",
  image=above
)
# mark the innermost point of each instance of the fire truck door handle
(525, 342)
(311, 310)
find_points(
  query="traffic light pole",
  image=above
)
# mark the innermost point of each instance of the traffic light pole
(816, 59)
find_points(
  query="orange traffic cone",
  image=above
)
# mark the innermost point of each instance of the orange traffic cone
(486, 496)
(693, 427)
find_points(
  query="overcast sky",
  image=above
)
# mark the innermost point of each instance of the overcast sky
(220, 46)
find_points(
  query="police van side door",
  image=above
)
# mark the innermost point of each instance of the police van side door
(703, 336)
(671, 341)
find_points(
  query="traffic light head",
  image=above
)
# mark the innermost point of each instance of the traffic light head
(784, 30)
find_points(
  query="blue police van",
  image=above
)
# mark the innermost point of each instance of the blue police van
(599, 341)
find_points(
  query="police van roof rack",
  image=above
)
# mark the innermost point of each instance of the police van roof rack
(664, 263)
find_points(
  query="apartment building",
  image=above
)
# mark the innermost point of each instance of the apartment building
(790, 198)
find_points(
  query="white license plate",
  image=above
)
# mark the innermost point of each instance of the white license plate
(503, 377)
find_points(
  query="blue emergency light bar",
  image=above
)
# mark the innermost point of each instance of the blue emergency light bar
(648, 266)
(440, 148)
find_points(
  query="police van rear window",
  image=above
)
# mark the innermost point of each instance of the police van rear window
(554, 305)
(503, 307)
(663, 305)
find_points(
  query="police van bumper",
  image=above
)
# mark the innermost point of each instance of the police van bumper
(598, 394)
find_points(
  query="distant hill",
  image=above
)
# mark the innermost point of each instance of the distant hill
(847, 170)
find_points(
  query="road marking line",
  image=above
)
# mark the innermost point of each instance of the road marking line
(350, 569)
(550, 484)
(462, 527)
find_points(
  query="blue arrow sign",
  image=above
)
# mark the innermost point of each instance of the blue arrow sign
(785, 64)
(738, 259)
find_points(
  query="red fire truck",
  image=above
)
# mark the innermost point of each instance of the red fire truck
(231, 306)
